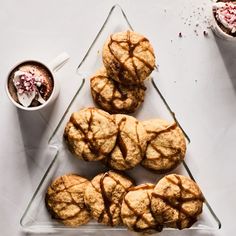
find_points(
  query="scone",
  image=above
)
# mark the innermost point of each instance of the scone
(176, 201)
(113, 96)
(91, 134)
(65, 200)
(166, 146)
(128, 57)
(130, 144)
(104, 195)
(136, 211)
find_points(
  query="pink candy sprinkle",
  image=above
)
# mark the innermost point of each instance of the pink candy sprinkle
(228, 13)
(27, 83)
(21, 91)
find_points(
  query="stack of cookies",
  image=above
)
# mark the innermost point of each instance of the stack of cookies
(112, 199)
(122, 142)
(128, 59)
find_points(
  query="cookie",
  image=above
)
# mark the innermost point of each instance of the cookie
(113, 96)
(176, 201)
(104, 196)
(136, 211)
(91, 134)
(130, 144)
(65, 200)
(166, 146)
(128, 57)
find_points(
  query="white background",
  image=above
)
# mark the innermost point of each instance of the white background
(198, 75)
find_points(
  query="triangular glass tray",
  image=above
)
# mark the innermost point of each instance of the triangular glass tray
(36, 218)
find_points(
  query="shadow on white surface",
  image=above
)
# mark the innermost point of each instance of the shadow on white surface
(34, 134)
(34, 126)
(228, 50)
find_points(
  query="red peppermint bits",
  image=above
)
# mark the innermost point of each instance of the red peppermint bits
(27, 82)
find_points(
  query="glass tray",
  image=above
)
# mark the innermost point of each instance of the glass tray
(36, 218)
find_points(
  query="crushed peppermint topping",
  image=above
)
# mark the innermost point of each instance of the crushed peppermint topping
(26, 82)
(226, 14)
(27, 86)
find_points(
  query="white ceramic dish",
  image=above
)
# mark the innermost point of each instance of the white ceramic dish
(216, 28)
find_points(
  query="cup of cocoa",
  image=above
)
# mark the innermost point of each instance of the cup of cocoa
(224, 19)
(31, 85)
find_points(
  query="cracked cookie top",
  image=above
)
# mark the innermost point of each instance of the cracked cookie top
(128, 57)
(91, 134)
(65, 200)
(136, 211)
(104, 195)
(176, 201)
(166, 146)
(113, 96)
(130, 144)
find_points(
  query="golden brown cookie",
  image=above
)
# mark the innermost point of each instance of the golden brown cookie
(65, 200)
(176, 201)
(91, 134)
(130, 144)
(136, 211)
(104, 196)
(166, 146)
(128, 57)
(113, 96)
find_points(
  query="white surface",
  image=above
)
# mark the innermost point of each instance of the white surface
(197, 77)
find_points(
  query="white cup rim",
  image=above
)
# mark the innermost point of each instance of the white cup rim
(217, 28)
(18, 104)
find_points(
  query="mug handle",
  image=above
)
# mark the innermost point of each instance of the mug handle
(58, 62)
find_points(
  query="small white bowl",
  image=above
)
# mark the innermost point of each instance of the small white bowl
(216, 28)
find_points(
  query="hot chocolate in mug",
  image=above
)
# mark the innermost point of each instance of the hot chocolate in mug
(31, 85)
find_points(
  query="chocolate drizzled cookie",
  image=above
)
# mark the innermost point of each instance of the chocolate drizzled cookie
(166, 146)
(128, 57)
(104, 196)
(136, 210)
(91, 134)
(65, 200)
(113, 96)
(130, 144)
(176, 201)
(111, 198)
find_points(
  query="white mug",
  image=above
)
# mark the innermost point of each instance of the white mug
(216, 28)
(52, 67)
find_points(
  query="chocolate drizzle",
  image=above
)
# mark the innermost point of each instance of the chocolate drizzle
(141, 187)
(119, 140)
(173, 158)
(108, 200)
(140, 216)
(123, 93)
(98, 93)
(122, 145)
(122, 67)
(52, 203)
(177, 202)
(88, 136)
(138, 142)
